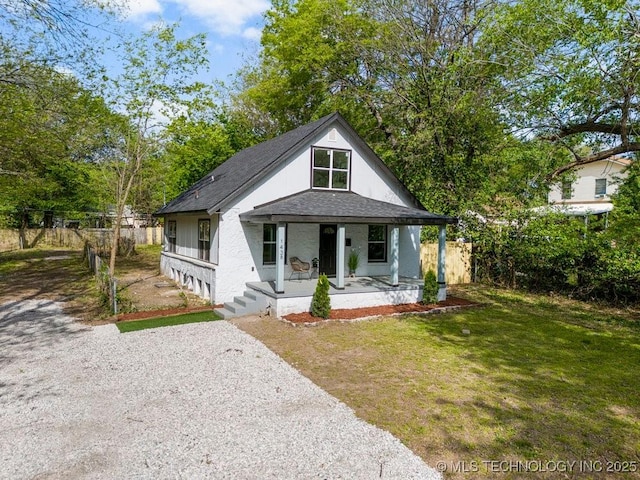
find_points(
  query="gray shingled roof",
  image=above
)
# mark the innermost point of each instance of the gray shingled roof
(242, 170)
(247, 167)
(314, 206)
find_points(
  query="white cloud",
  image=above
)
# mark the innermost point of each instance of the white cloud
(134, 9)
(252, 33)
(215, 47)
(226, 17)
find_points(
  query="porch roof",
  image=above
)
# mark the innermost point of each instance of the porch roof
(324, 206)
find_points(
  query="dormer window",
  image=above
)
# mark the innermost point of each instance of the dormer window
(331, 168)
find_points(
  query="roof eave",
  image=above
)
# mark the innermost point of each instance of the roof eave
(160, 213)
(275, 164)
(275, 218)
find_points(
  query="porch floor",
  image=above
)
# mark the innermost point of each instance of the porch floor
(305, 287)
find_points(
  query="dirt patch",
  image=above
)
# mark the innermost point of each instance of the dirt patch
(144, 289)
(62, 276)
(355, 313)
(56, 275)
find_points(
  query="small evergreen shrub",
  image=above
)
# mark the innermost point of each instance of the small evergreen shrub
(353, 261)
(430, 291)
(321, 303)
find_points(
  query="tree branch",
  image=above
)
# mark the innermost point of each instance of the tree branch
(591, 127)
(595, 157)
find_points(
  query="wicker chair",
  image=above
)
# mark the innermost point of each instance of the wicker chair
(298, 266)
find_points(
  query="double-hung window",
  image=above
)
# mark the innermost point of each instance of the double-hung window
(566, 190)
(377, 245)
(601, 187)
(331, 168)
(171, 236)
(204, 239)
(269, 246)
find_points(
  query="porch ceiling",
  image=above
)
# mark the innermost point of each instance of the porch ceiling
(324, 206)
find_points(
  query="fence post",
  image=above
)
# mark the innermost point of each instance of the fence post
(114, 290)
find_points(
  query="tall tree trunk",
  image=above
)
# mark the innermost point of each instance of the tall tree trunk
(116, 240)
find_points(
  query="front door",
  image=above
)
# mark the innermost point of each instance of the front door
(327, 250)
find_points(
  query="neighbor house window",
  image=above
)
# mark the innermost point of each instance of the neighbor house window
(171, 236)
(204, 239)
(269, 245)
(331, 168)
(566, 190)
(377, 250)
(601, 187)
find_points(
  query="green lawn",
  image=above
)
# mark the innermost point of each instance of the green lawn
(156, 322)
(536, 379)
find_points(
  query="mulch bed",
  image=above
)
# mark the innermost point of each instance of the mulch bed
(163, 313)
(355, 313)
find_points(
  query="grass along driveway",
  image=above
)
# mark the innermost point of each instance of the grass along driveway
(537, 380)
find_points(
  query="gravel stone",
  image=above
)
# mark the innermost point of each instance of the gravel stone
(193, 401)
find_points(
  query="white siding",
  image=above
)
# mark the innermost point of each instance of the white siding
(240, 244)
(187, 235)
(584, 185)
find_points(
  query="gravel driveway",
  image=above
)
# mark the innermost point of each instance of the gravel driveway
(193, 401)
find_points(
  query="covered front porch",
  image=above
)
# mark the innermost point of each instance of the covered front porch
(357, 292)
(392, 242)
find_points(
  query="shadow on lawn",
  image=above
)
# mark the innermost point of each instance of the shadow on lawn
(553, 387)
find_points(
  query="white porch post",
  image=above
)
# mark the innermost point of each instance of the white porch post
(442, 246)
(280, 239)
(395, 254)
(340, 241)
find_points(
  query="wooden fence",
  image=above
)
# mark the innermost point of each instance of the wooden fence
(458, 261)
(75, 238)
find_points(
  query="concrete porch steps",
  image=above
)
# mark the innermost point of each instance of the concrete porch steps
(251, 302)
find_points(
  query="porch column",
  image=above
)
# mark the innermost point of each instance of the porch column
(340, 244)
(442, 246)
(280, 234)
(395, 255)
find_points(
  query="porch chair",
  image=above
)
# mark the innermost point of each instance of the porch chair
(298, 266)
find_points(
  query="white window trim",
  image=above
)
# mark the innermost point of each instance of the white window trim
(386, 246)
(206, 251)
(330, 169)
(275, 244)
(172, 239)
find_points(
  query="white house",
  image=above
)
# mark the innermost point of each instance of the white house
(589, 190)
(316, 192)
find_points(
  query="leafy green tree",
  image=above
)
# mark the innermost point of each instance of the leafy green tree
(194, 148)
(154, 86)
(57, 34)
(570, 73)
(49, 136)
(405, 74)
(625, 217)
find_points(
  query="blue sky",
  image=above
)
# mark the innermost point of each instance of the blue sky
(233, 27)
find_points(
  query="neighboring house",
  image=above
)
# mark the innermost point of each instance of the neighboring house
(316, 192)
(590, 189)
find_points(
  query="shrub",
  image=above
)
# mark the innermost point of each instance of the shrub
(321, 303)
(430, 291)
(353, 261)
(561, 254)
